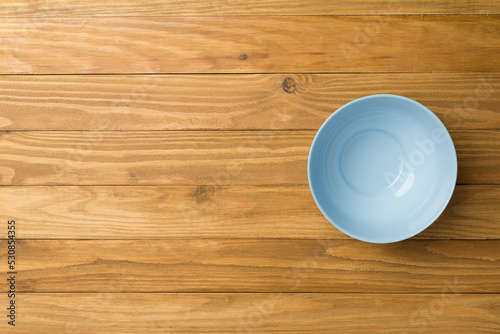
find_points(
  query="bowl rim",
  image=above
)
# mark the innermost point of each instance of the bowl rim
(322, 129)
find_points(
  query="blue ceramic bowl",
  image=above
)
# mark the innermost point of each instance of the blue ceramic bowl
(382, 168)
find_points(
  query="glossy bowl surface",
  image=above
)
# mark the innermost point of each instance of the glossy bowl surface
(382, 168)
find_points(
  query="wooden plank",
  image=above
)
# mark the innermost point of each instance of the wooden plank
(133, 212)
(481, 163)
(194, 157)
(50, 8)
(452, 313)
(233, 102)
(152, 157)
(254, 44)
(255, 265)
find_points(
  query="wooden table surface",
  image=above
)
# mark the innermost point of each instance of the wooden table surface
(153, 156)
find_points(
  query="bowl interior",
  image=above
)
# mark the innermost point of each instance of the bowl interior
(382, 168)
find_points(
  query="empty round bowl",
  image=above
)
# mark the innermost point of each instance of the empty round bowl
(382, 168)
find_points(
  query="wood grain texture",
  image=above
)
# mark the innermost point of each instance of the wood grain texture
(255, 265)
(50, 8)
(155, 163)
(199, 158)
(233, 102)
(480, 163)
(194, 157)
(156, 212)
(453, 313)
(254, 44)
